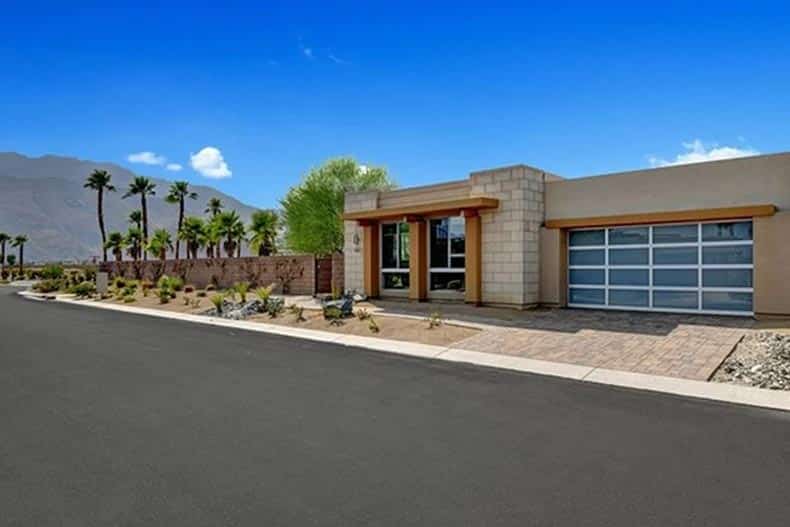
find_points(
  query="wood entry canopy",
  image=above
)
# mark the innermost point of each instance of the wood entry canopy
(451, 207)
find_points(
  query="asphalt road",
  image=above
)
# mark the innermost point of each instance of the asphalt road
(115, 419)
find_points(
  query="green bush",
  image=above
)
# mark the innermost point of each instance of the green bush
(52, 272)
(264, 293)
(165, 295)
(129, 299)
(217, 300)
(241, 288)
(48, 286)
(275, 306)
(119, 282)
(84, 289)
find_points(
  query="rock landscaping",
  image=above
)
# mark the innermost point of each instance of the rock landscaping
(761, 360)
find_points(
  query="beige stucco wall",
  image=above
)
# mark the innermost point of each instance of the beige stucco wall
(772, 265)
(552, 267)
(427, 193)
(734, 182)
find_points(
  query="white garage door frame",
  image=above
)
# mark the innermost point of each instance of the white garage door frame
(705, 294)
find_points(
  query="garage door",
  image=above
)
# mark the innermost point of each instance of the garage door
(683, 268)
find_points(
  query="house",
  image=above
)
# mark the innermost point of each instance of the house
(699, 238)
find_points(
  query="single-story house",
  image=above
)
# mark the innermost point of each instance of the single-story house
(708, 237)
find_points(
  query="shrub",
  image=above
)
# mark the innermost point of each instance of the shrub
(275, 306)
(201, 294)
(52, 272)
(435, 320)
(48, 286)
(363, 314)
(176, 283)
(146, 286)
(218, 300)
(373, 326)
(298, 312)
(264, 293)
(129, 299)
(241, 288)
(90, 274)
(84, 289)
(119, 282)
(164, 295)
(333, 314)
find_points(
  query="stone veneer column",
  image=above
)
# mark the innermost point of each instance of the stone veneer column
(353, 239)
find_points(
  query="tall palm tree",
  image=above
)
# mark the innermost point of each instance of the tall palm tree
(192, 232)
(99, 180)
(214, 206)
(178, 193)
(136, 218)
(4, 238)
(212, 236)
(20, 241)
(116, 243)
(160, 243)
(143, 187)
(231, 227)
(134, 242)
(263, 232)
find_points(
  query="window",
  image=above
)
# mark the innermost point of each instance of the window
(395, 255)
(699, 267)
(447, 249)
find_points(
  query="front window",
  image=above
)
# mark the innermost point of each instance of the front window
(448, 254)
(395, 255)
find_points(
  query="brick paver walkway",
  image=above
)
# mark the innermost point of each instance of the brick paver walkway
(690, 347)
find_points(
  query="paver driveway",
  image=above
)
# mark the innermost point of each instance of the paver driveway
(690, 347)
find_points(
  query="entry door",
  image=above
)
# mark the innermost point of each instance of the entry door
(684, 268)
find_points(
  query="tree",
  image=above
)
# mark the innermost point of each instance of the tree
(116, 243)
(192, 232)
(19, 242)
(143, 187)
(231, 228)
(160, 243)
(4, 238)
(212, 237)
(99, 180)
(178, 193)
(134, 242)
(136, 218)
(214, 206)
(11, 259)
(263, 232)
(312, 211)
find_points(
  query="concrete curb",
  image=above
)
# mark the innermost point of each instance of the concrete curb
(729, 393)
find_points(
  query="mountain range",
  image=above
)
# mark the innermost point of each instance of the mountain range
(43, 197)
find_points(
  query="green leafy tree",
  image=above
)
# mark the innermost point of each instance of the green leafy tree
(19, 242)
(214, 206)
(232, 229)
(116, 243)
(212, 236)
(177, 194)
(263, 232)
(192, 232)
(160, 243)
(136, 218)
(143, 187)
(99, 180)
(134, 242)
(313, 210)
(4, 239)
(11, 259)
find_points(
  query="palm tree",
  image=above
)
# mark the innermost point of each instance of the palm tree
(134, 242)
(228, 224)
(116, 243)
(263, 232)
(178, 193)
(144, 187)
(239, 232)
(214, 206)
(160, 243)
(212, 237)
(4, 238)
(99, 180)
(136, 218)
(20, 241)
(192, 232)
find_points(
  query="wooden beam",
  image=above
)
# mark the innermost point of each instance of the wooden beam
(447, 207)
(418, 260)
(474, 262)
(370, 259)
(724, 213)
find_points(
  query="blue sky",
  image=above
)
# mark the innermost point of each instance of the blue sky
(430, 90)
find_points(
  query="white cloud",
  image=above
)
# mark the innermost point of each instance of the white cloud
(337, 60)
(698, 152)
(173, 167)
(308, 52)
(209, 163)
(146, 158)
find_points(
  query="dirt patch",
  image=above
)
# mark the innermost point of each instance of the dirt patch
(394, 328)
